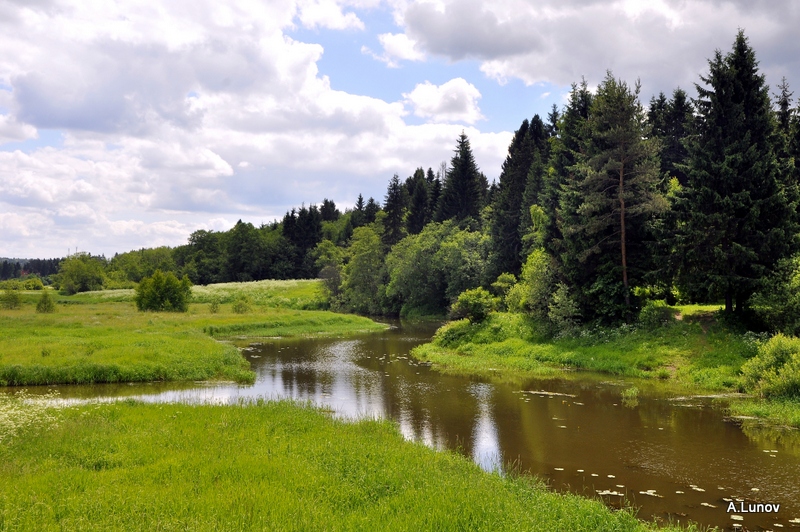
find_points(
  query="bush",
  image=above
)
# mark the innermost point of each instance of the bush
(163, 292)
(563, 312)
(775, 370)
(242, 305)
(213, 307)
(10, 299)
(32, 283)
(46, 305)
(656, 314)
(474, 304)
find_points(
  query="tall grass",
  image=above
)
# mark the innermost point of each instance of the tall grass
(262, 466)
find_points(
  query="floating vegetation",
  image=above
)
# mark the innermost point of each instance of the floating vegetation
(651, 493)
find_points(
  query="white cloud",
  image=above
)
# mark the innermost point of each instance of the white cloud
(13, 131)
(663, 42)
(454, 101)
(396, 47)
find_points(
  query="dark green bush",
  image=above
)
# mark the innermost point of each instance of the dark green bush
(163, 292)
(46, 305)
(474, 304)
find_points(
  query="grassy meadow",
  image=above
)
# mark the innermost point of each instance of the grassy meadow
(100, 336)
(258, 466)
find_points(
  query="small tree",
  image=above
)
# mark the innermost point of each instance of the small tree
(163, 292)
(475, 304)
(10, 299)
(46, 305)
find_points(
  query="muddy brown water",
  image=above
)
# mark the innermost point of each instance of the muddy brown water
(674, 459)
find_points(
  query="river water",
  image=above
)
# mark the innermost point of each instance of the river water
(675, 459)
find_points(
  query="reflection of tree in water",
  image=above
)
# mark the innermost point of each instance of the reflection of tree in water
(770, 437)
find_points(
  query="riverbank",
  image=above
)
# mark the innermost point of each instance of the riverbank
(259, 466)
(100, 337)
(692, 355)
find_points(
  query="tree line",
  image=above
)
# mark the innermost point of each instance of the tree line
(600, 207)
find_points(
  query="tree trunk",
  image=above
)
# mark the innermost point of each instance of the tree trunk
(622, 234)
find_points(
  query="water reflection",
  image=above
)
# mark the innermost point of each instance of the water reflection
(674, 460)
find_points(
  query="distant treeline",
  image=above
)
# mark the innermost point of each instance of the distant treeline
(14, 269)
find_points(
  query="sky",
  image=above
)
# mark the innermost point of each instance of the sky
(130, 124)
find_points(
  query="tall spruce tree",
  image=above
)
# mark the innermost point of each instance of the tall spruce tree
(618, 173)
(507, 206)
(395, 208)
(463, 190)
(417, 189)
(736, 222)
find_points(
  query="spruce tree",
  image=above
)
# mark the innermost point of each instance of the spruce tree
(463, 191)
(504, 228)
(395, 208)
(619, 173)
(736, 221)
(417, 190)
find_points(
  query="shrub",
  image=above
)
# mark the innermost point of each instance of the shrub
(563, 312)
(656, 314)
(163, 292)
(242, 305)
(775, 370)
(32, 283)
(10, 299)
(46, 305)
(474, 304)
(213, 307)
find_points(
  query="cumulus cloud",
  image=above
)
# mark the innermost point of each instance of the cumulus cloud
(663, 42)
(396, 47)
(454, 101)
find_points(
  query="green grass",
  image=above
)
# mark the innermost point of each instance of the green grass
(779, 411)
(509, 343)
(100, 337)
(260, 466)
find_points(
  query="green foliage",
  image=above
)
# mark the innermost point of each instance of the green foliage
(474, 304)
(11, 299)
(213, 307)
(364, 277)
(504, 283)
(242, 305)
(563, 311)
(163, 292)
(45, 305)
(656, 313)
(134, 266)
(737, 214)
(81, 273)
(533, 294)
(775, 371)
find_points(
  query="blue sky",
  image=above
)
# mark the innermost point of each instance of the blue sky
(132, 123)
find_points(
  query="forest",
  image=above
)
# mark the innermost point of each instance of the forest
(605, 207)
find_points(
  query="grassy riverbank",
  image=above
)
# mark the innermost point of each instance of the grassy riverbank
(693, 351)
(693, 355)
(100, 337)
(270, 466)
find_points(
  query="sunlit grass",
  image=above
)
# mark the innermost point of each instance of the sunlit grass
(101, 337)
(262, 466)
(684, 352)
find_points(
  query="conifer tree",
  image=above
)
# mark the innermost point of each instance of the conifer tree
(417, 190)
(618, 173)
(736, 220)
(395, 208)
(463, 191)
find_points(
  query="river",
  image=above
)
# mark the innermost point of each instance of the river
(675, 459)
